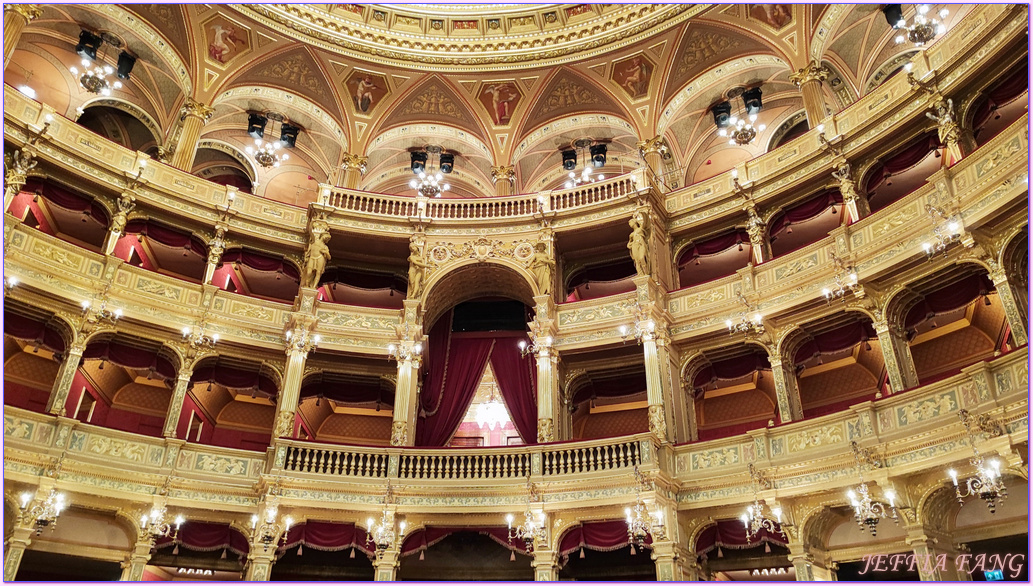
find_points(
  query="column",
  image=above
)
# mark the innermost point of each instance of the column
(934, 563)
(133, 566)
(674, 563)
(545, 564)
(787, 389)
(22, 162)
(126, 204)
(1007, 294)
(897, 354)
(63, 382)
(176, 403)
(808, 567)
(260, 560)
(354, 167)
(287, 402)
(654, 150)
(386, 564)
(504, 178)
(547, 360)
(809, 79)
(16, 16)
(654, 384)
(194, 116)
(20, 538)
(403, 428)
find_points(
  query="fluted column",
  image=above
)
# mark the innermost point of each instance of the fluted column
(809, 568)
(260, 562)
(787, 389)
(354, 166)
(176, 404)
(934, 562)
(1007, 294)
(20, 539)
(287, 403)
(653, 151)
(809, 79)
(546, 565)
(16, 16)
(63, 382)
(504, 178)
(133, 566)
(547, 361)
(408, 353)
(897, 355)
(385, 565)
(194, 116)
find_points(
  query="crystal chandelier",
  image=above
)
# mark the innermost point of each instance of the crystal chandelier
(642, 326)
(199, 340)
(42, 513)
(493, 413)
(868, 511)
(101, 315)
(158, 525)
(756, 516)
(641, 523)
(431, 183)
(382, 533)
(271, 529)
(94, 78)
(745, 324)
(739, 129)
(924, 28)
(598, 153)
(532, 530)
(988, 483)
(266, 153)
(946, 231)
(844, 282)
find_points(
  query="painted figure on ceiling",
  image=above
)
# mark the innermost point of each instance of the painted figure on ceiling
(224, 41)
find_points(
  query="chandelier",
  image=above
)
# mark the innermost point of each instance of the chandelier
(570, 157)
(199, 340)
(640, 328)
(844, 282)
(267, 154)
(946, 231)
(641, 523)
(42, 513)
(532, 530)
(94, 78)
(157, 524)
(101, 314)
(868, 511)
(756, 516)
(987, 483)
(493, 413)
(534, 348)
(739, 129)
(405, 351)
(924, 28)
(271, 529)
(382, 533)
(431, 183)
(745, 324)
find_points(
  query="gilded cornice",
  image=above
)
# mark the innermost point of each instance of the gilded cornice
(413, 48)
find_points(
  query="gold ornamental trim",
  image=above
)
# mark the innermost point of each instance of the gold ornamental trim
(414, 49)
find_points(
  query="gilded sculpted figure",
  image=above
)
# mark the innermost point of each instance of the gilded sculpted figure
(638, 243)
(416, 268)
(315, 259)
(542, 265)
(947, 129)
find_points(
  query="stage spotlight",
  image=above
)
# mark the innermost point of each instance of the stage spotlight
(418, 162)
(722, 113)
(448, 162)
(598, 152)
(256, 125)
(569, 160)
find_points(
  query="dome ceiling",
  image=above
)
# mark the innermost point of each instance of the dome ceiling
(498, 85)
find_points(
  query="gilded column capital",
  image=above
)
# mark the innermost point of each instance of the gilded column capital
(196, 109)
(503, 173)
(29, 11)
(352, 162)
(657, 144)
(813, 71)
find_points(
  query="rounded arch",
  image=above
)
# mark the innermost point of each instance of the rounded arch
(471, 278)
(888, 68)
(790, 340)
(789, 129)
(129, 108)
(232, 150)
(904, 296)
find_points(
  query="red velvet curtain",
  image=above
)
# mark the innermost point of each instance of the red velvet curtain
(201, 536)
(617, 386)
(131, 357)
(67, 199)
(233, 378)
(421, 539)
(948, 298)
(713, 246)
(518, 382)
(731, 368)
(445, 403)
(902, 160)
(1005, 91)
(327, 537)
(167, 236)
(597, 536)
(836, 340)
(804, 211)
(730, 534)
(261, 262)
(24, 328)
(602, 273)
(361, 280)
(349, 392)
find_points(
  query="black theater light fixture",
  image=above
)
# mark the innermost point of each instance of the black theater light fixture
(569, 160)
(598, 152)
(722, 113)
(418, 161)
(88, 45)
(447, 163)
(125, 65)
(256, 125)
(894, 15)
(289, 135)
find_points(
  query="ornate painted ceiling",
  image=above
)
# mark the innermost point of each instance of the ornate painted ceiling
(500, 85)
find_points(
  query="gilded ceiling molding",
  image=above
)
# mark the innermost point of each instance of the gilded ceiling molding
(426, 52)
(285, 98)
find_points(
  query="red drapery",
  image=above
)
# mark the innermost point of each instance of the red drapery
(201, 536)
(349, 392)
(327, 537)
(602, 273)
(167, 236)
(804, 211)
(730, 534)
(597, 536)
(518, 382)
(24, 328)
(948, 298)
(67, 199)
(233, 378)
(362, 280)
(712, 246)
(731, 369)
(260, 262)
(1002, 93)
(617, 386)
(902, 160)
(421, 539)
(131, 357)
(835, 340)
(448, 398)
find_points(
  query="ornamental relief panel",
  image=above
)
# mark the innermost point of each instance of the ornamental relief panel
(918, 411)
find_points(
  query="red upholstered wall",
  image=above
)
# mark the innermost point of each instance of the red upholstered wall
(24, 200)
(23, 397)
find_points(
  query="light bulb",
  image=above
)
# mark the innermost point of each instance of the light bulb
(728, 323)
(413, 184)
(761, 128)
(369, 522)
(74, 70)
(722, 132)
(756, 318)
(446, 187)
(753, 117)
(254, 521)
(509, 520)
(179, 521)
(899, 39)
(569, 185)
(108, 69)
(25, 498)
(623, 330)
(778, 513)
(186, 332)
(891, 496)
(821, 129)
(941, 29)
(118, 85)
(417, 348)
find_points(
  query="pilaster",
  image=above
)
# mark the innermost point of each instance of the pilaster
(386, 564)
(1009, 300)
(176, 403)
(897, 355)
(194, 116)
(17, 543)
(546, 565)
(134, 564)
(787, 389)
(408, 353)
(543, 329)
(65, 376)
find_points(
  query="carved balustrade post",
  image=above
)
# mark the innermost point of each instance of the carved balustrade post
(354, 166)
(194, 116)
(504, 178)
(16, 17)
(65, 375)
(897, 355)
(809, 79)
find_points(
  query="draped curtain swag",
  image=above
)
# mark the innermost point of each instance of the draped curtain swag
(730, 534)
(902, 160)
(167, 236)
(67, 199)
(233, 378)
(24, 328)
(712, 246)
(327, 536)
(804, 211)
(422, 539)
(260, 262)
(949, 298)
(130, 357)
(839, 339)
(597, 536)
(202, 536)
